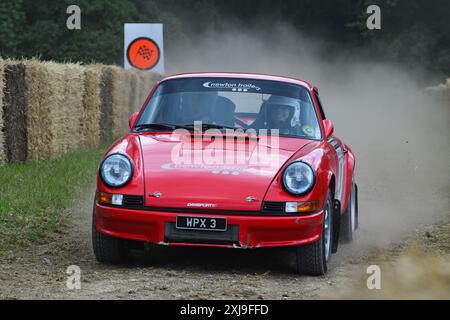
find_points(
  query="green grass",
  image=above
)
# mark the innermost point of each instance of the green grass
(34, 196)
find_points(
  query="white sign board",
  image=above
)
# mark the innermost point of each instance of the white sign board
(144, 47)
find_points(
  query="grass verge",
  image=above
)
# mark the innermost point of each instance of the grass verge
(34, 196)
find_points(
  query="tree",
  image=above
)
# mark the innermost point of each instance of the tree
(12, 19)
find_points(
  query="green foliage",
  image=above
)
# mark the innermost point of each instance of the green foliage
(11, 22)
(36, 28)
(413, 31)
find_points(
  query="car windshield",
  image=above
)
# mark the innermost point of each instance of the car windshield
(266, 106)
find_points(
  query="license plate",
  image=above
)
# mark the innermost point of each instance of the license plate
(201, 223)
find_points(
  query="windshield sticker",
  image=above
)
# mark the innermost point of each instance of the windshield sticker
(237, 87)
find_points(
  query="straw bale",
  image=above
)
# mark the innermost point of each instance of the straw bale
(39, 99)
(90, 119)
(54, 90)
(142, 85)
(14, 112)
(132, 99)
(120, 111)
(66, 114)
(106, 105)
(48, 108)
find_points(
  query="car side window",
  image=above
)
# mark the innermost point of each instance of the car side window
(320, 106)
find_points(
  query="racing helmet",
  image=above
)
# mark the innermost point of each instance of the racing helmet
(293, 104)
(198, 106)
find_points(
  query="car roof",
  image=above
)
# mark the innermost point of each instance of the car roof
(258, 76)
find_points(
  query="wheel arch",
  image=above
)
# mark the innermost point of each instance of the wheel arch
(350, 171)
(336, 207)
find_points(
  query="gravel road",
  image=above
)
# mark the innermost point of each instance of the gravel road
(39, 272)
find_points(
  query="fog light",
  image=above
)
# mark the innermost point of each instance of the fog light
(117, 199)
(304, 206)
(291, 207)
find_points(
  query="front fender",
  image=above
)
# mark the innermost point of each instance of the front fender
(128, 145)
(350, 163)
(318, 158)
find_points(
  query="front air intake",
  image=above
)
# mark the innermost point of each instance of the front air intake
(273, 206)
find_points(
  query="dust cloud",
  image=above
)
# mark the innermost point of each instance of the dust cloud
(400, 134)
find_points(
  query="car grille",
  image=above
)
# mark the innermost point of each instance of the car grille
(133, 201)
(273, 206)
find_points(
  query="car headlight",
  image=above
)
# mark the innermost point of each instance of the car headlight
(298, 178)
(116, 170)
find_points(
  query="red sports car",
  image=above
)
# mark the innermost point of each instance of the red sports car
(228, 160)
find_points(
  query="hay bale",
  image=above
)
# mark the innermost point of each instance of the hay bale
(54, 90)
(149, 78)
(39, 98)
(90, 119)
(48, 108)
(139, 86)
(142, 89)
(120, 94)
(106, 105)
(55, 94)
(66, 114)
(15, 113)
(132, 99)
(2, 136)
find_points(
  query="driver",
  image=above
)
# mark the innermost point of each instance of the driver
(282, 115)
(197, 106)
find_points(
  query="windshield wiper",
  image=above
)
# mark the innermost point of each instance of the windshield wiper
(160, 126)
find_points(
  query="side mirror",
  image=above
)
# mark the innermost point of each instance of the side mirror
(133, 119)
(328, 127)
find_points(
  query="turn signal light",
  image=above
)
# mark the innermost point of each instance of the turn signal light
(106, 198)
(304, 206)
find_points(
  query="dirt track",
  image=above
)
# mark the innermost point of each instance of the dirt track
(163, 272)
(176, 273)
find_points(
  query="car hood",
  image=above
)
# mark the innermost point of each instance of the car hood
(204, 179)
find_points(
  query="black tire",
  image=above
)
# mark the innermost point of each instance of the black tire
(108, 249)
(348, 230)
(311, 258)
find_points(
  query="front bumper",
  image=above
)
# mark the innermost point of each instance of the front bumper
(250, 231)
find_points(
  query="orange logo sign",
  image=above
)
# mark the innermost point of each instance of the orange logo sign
(143, 53)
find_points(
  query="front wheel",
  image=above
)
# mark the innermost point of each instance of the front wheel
(313, 258)
(108, 249)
